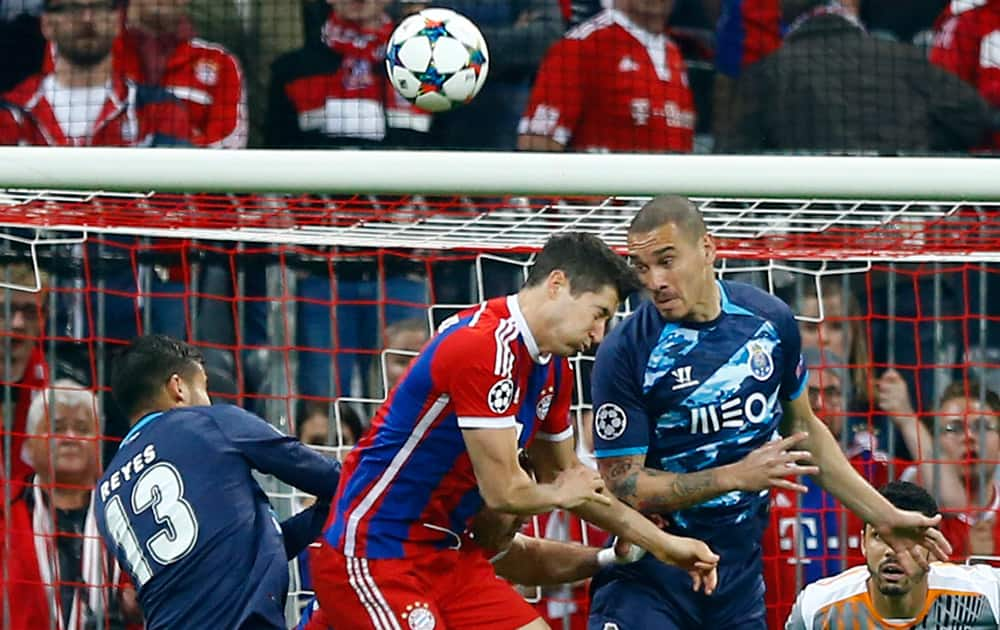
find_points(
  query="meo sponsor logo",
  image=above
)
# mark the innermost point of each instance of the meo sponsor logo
(733, 413)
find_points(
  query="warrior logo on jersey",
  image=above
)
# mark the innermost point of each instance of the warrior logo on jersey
(419, 617)
(761, 363)
(501, 395)
(610, 421)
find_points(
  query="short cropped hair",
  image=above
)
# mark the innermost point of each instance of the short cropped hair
(588, 263)
(23, 274)
(142, 368)
(669, 209)
(909, 496)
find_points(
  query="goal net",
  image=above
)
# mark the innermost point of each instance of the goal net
(309, 290)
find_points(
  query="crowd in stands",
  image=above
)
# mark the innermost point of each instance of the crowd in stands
(742, 76)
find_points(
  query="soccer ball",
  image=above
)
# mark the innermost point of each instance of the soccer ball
(437, 59)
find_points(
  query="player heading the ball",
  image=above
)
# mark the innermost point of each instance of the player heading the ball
(179, 506)
(495, 379)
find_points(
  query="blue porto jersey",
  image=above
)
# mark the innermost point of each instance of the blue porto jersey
(180, 508)
(692, 396)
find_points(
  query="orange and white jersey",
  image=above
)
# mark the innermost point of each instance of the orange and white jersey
(958, 596)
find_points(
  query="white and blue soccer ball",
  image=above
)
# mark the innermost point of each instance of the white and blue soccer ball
(437, 59)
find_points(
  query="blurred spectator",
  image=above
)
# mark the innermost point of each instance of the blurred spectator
(746, 32)
(58, 573)
(335, 92)
(158, 47)
(312, 424)
(813, 531)
(967, 43)
(21, 43)
(22, 363)
(517, 33)
(841, 330)
(403, 340)
(636, 98)
(834, 88)
(83, 101)
(959, 450)
(257, 33)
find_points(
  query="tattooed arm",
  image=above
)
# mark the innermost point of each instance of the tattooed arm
(656, 491)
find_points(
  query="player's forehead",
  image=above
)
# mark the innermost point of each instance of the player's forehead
(663, 239)
(604, 298)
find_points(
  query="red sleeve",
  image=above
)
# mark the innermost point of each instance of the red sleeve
(956, 46)
(468, 366)
(226, 124)
(556, 103)
(556, 425)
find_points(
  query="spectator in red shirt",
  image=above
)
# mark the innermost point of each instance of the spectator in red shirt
(958, 449)
(58, 572)
(615, 83)
(22, 362)
(967, 43)
(82, 101)
(158, 47)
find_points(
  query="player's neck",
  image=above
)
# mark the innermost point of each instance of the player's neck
(652, 23)
(74, 76)
(906, 606)
(980, 497)
(709, 307)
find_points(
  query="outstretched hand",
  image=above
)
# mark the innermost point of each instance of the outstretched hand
(771, 465)
(915, 539)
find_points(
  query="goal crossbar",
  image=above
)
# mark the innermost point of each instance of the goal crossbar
(495, 173)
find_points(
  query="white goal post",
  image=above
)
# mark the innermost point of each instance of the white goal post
(490, 173)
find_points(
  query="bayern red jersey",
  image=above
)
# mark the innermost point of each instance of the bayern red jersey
(967, 43)
(958, 526)
(611, 86)
(205, 76)
(408, 487)
(131, 116)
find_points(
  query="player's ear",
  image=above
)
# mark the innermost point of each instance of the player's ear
(176, 388)
(864, 538)
(556, 281)
(708, 242)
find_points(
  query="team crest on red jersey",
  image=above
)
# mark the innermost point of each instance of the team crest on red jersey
(418, 616)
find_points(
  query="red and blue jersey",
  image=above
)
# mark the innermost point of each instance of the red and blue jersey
(408, 487)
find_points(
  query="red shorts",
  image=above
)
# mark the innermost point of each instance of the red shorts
(447, 590)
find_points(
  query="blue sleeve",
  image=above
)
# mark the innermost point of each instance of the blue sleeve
(300, 530)
(621, 425)
(793, 368)
(272, 452)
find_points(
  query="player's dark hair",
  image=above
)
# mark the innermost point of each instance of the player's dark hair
(910, 496)
(669, 209)
(588, 263)
(141, 369)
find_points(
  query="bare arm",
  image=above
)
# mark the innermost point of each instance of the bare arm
(694, 556)
(894, 400)
(505, 487)
(657, 491)
(902, 530)
(539, 562)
